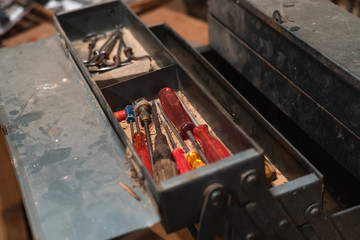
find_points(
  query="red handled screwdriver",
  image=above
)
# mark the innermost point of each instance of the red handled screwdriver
(214, 150)
(176, 113)
(178, 154)
(141, 147)
(192, 157)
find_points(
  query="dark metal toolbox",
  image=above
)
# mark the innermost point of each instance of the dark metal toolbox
(70, 153)
(303, 56)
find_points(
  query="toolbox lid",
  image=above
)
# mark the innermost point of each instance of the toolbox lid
(68, 160)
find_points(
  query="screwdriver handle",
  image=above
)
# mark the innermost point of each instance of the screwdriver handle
(164, 169)
(120, 115)
(142, 150)
(214, 150)
(175, 111)
(193, 158)
(182, 164)
(129, 111)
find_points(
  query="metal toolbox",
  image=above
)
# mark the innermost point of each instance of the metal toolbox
(70, 153)
(306, 63)
(187, 191)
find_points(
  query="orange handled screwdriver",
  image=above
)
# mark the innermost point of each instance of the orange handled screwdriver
(192, 158)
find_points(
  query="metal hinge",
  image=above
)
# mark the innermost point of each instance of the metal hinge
(214, 206)
(3, 128)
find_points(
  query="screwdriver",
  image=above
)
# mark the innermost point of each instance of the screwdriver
(120, 115)
(164, 165)
(141, 147)
(129, 116)
(176, 113)
(178, 154)
(143, 110)
(202, 133)
(192, 158)
(214, 150)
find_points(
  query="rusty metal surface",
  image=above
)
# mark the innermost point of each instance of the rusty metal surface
(68, 161)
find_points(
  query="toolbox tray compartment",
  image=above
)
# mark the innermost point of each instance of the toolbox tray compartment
(298, 170)
(186, 191)
(341, 213)
(74, 26)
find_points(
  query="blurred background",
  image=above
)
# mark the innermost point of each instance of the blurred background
(22, 21)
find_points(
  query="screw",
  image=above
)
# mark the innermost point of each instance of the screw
(283, 224)
(250, 236)
(288, 4)
(111, 12)
(315, 212)
(294, 29)
(215, 197)
(251, 179)
(277, 16)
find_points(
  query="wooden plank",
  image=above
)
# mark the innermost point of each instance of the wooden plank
(43, 30)
(9, 190)
(145, 5)
(193, 30)
(12, 216)
(13, 224)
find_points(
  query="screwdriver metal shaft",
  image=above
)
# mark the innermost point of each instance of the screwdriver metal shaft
(164, 165)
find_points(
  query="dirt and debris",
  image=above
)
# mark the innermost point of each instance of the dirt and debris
(130, 191)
